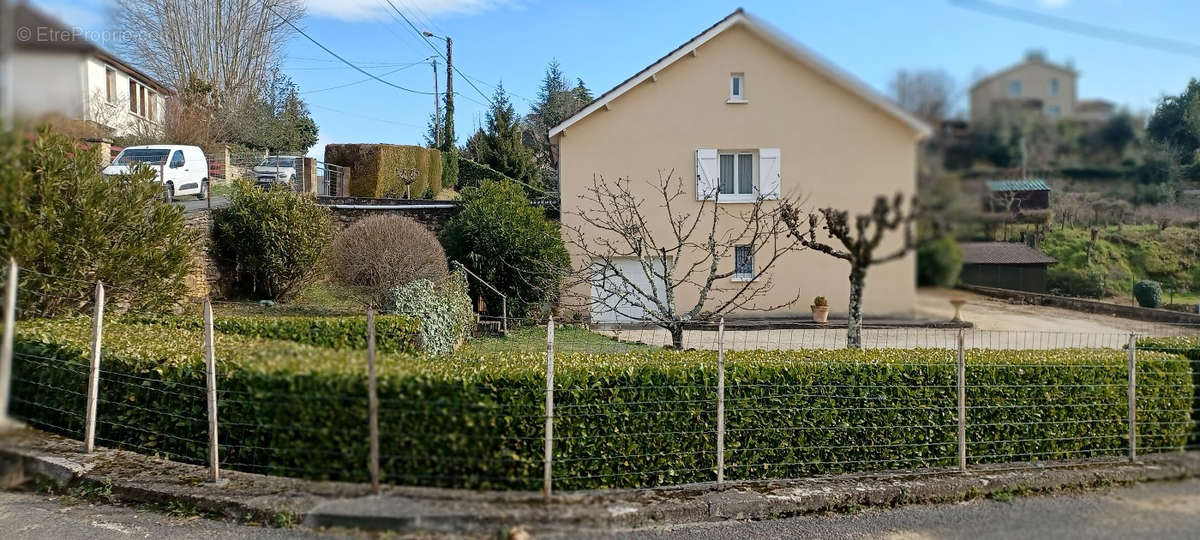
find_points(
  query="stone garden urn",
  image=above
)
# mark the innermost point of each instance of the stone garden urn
(957, 302)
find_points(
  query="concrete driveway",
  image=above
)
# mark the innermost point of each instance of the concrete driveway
(997, 325)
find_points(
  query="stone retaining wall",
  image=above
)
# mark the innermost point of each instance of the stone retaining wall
(205, 277)
(432, 214)
(1089, 306)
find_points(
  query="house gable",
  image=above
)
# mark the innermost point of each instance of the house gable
(740, 20)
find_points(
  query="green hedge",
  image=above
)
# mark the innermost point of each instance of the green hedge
(637, 419)
(393, 333)
(373, 169)
(1189, 347)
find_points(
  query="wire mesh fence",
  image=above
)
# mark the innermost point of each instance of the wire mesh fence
(746, 404)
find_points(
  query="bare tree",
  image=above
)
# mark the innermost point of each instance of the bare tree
(928, 94)
(229, 44)
(858, 244)
(694, 251)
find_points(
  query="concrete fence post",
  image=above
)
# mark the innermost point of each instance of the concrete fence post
(6, 345)
(210, 377)
(1132, 368)
(961, 375)
(721, 401)
(548, 467)
(93, 389)
(372, 403)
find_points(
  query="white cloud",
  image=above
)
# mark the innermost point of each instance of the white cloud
(1054, 3)
(357, 10)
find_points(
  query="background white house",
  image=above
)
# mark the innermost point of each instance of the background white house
(57, 71)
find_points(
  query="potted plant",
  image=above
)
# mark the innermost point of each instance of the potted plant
(820, 309)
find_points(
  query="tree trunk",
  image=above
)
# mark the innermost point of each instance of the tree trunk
(677, 337)
(858, 278)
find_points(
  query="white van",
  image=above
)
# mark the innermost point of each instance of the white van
(183, 170)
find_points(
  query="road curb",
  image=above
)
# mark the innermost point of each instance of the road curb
(137, 478)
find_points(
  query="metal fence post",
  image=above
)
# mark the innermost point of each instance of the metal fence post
(961, 364)
(549, 464)
(721, 401)
(210, 375)
(6, 346)
(93, 390)
(1132, 397)
(372, 402)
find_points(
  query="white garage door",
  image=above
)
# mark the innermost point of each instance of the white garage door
(614, 300)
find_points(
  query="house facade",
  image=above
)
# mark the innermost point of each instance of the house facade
(57, 72)
(1035, 86)
(743, 109)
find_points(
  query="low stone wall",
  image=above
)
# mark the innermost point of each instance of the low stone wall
(1089, 306)
(205, 277)
(432, 214)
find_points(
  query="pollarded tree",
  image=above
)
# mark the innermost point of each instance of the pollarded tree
(692, 248)
(858, 244)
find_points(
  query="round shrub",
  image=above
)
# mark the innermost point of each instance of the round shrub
(380, 253)
(509, 243)
(271, 241)
(939, 263)
(68, 226)
(1148, 293)
(1071, 281)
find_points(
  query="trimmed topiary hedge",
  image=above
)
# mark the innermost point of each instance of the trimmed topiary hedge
(1148, 293)
(636, 419)
(393, 333)
(374, 169)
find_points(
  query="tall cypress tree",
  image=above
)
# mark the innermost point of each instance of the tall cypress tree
(501, 147)
(449, 146)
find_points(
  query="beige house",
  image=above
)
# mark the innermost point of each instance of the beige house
(1034, 87)
(743, 109)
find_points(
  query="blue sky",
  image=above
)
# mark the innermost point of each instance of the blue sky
(606, 42)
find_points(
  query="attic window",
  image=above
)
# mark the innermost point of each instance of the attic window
(737, 88)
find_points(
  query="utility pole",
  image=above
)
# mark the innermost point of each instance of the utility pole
(437, 109)
(449, 92)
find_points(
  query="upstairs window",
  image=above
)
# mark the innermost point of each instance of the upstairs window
(1054, 86)
(1014, 88)
(133, 96)
(737, 87)
(737, 174)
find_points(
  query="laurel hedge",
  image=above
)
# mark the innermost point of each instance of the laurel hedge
(393, 333)
(1189, 347)
(636, 419)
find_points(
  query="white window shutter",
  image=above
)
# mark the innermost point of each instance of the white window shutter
(707, 173)
(768, 173)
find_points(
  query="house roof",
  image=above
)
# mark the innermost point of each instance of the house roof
(47, 33)
(1002, 253)
(762, 29)
(1028, 184)
(1036, 59)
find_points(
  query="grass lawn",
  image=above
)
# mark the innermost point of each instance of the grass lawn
(322, 298)
(566, 339)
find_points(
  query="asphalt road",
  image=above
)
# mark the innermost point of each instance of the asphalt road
(29, 516)
(1160, 510)
(190, 204)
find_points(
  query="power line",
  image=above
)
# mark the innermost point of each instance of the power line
(336, 55)
(360, 81)
(1081, 28)
(436, 50)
